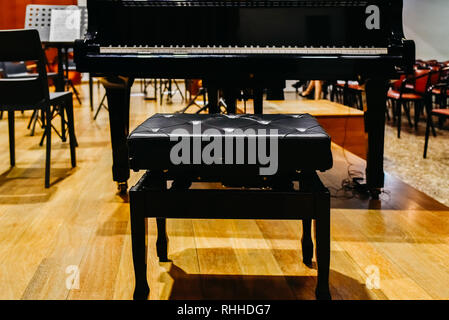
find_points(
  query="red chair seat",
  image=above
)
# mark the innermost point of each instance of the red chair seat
(441, 112)
(353, 85)
(437, 91)
(395, 94)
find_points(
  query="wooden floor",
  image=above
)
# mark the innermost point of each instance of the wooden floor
(80, 222)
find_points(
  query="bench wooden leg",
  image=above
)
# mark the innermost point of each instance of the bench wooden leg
(306, 185)
(148, 195)
(322, 233)
(307, 244)
(139, 248)
(162, 240)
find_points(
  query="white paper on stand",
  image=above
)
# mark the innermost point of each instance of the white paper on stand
(65, 25)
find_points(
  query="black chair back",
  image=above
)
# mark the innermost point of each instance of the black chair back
(23, 93)
(14, 68)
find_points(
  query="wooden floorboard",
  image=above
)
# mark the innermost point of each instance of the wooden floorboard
(80, 223)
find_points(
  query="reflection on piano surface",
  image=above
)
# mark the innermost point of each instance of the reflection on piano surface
(251, 44)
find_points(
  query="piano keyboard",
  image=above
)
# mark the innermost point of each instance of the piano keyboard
(183, 50)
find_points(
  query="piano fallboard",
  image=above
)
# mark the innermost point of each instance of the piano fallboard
(261, 67)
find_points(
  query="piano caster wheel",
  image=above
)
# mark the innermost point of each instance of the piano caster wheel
(181, 185)
(122, 187)
(375, 194)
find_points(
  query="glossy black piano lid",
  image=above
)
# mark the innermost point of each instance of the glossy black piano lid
(239, 23)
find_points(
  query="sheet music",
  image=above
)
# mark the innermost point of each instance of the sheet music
(65, 25)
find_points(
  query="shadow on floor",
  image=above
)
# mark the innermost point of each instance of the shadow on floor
(254, 287)
(26, 185)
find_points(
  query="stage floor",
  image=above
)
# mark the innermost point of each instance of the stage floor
(80, 223)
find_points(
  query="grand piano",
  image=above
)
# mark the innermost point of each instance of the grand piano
(246, 44)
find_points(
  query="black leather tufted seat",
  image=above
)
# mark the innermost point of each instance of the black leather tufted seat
(302, 142)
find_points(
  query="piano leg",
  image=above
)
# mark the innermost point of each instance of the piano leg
(376, 98)
(258, 100)
(275, 90)
(118, 96)
(230, 97)
(212, 97)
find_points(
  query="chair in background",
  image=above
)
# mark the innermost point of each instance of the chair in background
(431, 62)
(420, 62)
(32, 93)
(401, 96)
(440, 91)
(194, 90)
(348, 93)
(144, 84)
(166, 88)
(22, 70)
(440, 113)
(12, 70)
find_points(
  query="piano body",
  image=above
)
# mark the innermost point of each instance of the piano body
(248, 44)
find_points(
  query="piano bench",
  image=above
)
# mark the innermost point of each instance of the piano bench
(301, 142)
(258, 192)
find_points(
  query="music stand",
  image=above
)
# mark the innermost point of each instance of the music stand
(38, 17)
